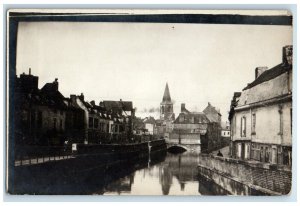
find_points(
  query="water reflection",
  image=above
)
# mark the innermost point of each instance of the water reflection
(176, 175)
(161, 174)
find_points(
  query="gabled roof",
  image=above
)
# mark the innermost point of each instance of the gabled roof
(167, 96)
(269, 74)
(149, 120)
(198, 118)
(119, 105)
(210, 109)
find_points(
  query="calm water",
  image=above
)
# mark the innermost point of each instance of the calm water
(161, 174)
(176, 175)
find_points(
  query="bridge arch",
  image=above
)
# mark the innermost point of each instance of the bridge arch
(177, 148)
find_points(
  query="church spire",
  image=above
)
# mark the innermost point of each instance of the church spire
(167, 97)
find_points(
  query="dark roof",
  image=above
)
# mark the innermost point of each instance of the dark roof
(119, 105)
(269, 74)
(166, 97)
(198, 118)
(54, 100)
(149, 120)
(233, 104)
(210, 109)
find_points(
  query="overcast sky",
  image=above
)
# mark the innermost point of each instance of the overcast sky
(133, 61)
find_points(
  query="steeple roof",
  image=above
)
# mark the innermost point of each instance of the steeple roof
(166, 97)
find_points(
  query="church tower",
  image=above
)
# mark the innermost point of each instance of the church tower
(166, 106)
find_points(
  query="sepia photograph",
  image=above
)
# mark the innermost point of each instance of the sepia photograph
(149, 102)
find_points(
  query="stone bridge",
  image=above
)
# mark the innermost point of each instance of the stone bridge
(183, 147)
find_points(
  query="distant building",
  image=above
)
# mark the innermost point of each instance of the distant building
(213, 114)
(225, 129)
(188, 127)
(150, 125)
(261, 116)
(122, 114)
(195, 128)
(167, 116)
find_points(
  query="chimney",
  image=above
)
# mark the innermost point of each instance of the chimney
(29, 71)
(93, 102)
(55, 83)
(209, 104)
(101, 104)
(287, 55)
(120, 100)
(73, 98)
(182, 107)
(259, 71)
(81, 97)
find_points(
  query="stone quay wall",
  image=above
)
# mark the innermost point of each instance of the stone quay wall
(269, 179)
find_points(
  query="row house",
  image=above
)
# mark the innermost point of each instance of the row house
(40, 114)
(45, 117)
(261, 115)
(122, 114)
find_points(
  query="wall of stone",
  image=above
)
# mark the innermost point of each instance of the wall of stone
(268, 115)
(188, 138)
(257, 174)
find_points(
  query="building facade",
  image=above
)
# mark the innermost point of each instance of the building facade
(225, 131)
(45, 117)
(189, 127)
(150, 126)
(40, 114)
(261, 116)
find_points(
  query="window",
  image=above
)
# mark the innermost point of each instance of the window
(192, 120)
(96, 122)
(253, 123)
(90, 122)
(181, 118)
(280, 120)
(291, 115)
(243, 127)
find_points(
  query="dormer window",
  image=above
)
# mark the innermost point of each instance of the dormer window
(181, 118)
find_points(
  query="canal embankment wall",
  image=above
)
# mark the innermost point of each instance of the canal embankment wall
(86, 160)
(246, 178)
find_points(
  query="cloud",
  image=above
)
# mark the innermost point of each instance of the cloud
(150, 110)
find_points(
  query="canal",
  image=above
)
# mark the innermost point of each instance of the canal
(160, 174)
(176, 175)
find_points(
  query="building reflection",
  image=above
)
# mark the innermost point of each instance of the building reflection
(177, 174)
(122, 185)
(183, 167)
